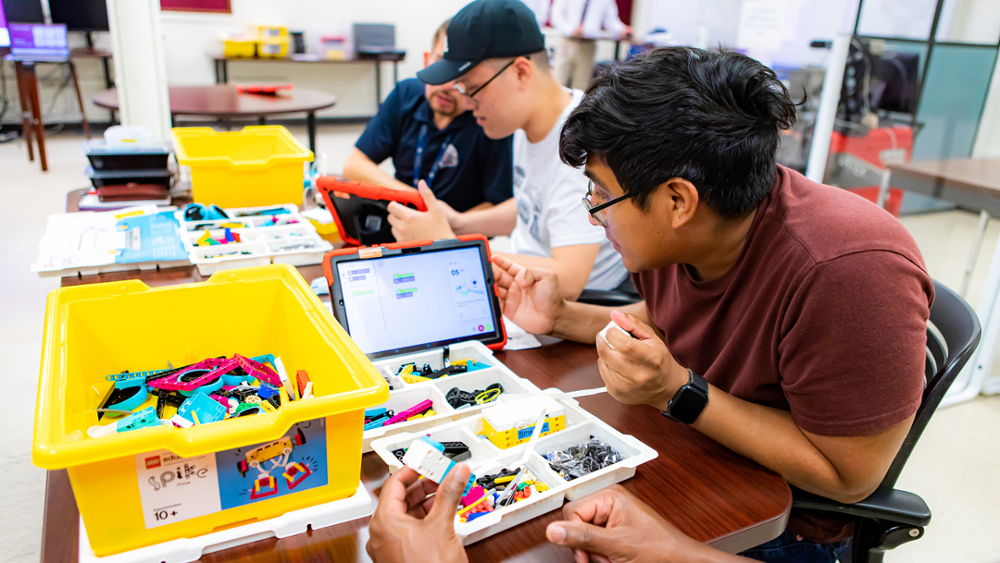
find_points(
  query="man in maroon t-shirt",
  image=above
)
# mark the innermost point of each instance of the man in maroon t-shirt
(803, 306)
(783, 318)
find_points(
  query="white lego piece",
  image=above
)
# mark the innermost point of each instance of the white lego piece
(427, 460)
(521, 414)
(604, 333)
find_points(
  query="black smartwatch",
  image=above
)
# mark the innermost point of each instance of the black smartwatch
(689, 400)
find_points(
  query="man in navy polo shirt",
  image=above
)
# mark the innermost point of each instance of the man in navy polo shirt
(430, 137)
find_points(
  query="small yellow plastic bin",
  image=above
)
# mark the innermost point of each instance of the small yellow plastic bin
(260, 165)
(132, 488)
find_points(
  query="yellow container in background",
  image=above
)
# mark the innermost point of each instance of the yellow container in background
(239, 47)
(95, 330)
(272, 31)
(260, 165)
(273, 48)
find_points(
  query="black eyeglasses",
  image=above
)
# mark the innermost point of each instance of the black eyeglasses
(461, 89)
(596, 210)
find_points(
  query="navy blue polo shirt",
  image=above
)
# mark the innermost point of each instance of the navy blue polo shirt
(475, 170)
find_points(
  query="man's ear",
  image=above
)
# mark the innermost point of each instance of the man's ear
(523, 69)
(677, 199)
(686, 200)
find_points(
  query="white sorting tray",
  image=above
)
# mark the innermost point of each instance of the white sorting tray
(487, 458)
(264, 239)
(406, 395)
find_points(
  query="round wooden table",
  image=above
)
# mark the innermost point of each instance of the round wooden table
(223, 101)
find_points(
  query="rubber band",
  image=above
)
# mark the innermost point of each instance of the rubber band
(481, 399)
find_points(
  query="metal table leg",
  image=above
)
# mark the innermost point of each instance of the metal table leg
(24, 94)
(984, 219)
(378, 84)
(79, 99)
(311, 125)
(971, 381)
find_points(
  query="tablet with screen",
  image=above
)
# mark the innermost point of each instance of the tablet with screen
(360, 210)
(406, 297)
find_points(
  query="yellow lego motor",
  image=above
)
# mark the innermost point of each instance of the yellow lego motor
(509, 424)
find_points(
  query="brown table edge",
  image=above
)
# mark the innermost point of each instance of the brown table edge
(352, 60)
(314, 109)
(940, 180)
(752, 536)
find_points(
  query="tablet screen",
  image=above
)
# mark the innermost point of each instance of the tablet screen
(410, 300)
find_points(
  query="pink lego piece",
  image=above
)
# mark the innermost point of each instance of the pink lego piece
(419, 408)
(474, 494)
(174, 383)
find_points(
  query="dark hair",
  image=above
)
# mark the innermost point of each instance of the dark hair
(711, 118)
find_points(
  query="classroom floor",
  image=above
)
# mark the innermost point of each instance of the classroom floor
(954, 467)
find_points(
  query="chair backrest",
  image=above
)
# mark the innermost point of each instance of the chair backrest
(952, 336)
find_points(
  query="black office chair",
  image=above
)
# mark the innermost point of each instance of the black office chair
(624, 294)
(889, 518)
(608, 298)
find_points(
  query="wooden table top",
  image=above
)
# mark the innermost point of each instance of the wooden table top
(980, 176)
(224, 101)
(390, 56)
(704, 489)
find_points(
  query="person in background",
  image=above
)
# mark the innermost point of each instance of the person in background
(496, 56)
(583, 22)
(541, 10)
(431, 138)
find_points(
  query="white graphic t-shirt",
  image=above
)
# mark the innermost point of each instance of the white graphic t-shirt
(550, 212)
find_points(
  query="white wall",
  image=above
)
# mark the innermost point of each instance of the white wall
(190, 39)
(810, 19)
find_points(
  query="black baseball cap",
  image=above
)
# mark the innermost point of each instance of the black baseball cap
(485, 29)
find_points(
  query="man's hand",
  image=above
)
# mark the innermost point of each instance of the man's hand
(638, 369)
(612, 525)
(409, 525)
(627, 32)
(528, 296)
(410, 224)
(578, 32)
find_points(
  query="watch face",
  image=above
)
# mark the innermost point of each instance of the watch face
(687, 405)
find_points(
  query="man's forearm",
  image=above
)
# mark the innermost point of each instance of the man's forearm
(771, 438)
(580, 322)
(360, 168)
(495, 221)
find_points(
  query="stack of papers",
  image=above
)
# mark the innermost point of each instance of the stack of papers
(87, 243)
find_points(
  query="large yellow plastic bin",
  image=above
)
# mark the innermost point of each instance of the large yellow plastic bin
(260, 165)
(131, 488)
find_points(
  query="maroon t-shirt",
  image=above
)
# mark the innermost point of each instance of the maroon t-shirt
(823, 315)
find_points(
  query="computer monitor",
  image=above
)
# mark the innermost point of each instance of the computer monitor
(80, 15)
(38, 41)
(895, 82)
(4, 34)
(23, 11)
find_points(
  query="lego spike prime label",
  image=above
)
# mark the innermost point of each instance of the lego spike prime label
(173, 489)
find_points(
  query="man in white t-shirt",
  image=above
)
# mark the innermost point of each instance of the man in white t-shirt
(496, 53)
